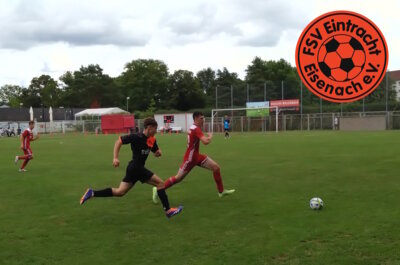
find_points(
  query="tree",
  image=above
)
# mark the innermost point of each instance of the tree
(379, 94)
(43, 90)
(272, 73)
(227, 82)
(185, 92)
(48, 90)
(89, 87)
(11, 95)
(69, 93)
(207, 79)
(144, 80)
(226, 78)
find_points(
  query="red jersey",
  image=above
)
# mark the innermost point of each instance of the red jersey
(194, 135)
(28, 136)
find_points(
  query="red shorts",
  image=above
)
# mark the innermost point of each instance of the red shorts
(27, 151)
(198, 160)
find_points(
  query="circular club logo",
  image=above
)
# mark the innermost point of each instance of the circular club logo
(341, 56)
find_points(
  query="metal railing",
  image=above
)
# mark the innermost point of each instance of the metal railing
(286, 122)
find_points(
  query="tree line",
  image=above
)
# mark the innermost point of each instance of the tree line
(151, 87)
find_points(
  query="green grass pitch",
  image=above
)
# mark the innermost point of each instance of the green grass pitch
(266, 221)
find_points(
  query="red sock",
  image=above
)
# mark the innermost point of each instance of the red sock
(22, 157)
(25, 162)
(218, 180)
(169, 182)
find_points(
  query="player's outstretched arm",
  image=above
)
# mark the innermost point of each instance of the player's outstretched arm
(36, 137)
(117, 147)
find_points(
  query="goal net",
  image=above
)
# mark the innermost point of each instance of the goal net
(245, 119)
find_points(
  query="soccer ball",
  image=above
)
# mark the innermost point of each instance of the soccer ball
(341, 58)
(316, 203)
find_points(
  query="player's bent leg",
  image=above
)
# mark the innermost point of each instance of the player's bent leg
(158, 184)
(162, 195)
(24, 164)
(159, 191)
(28, 156)
(212, 165)
(181, 175)
(29, 153)
(123, 188)
(156, 181)
(176, 179)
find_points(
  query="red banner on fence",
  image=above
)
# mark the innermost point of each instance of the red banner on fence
(285, 104)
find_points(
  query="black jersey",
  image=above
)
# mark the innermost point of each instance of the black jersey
(141, 146)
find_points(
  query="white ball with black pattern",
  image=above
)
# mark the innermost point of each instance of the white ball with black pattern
(316, 203)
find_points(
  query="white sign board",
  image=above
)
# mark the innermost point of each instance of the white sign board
(174, 121)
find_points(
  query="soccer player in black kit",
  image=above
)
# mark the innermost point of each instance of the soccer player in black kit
(141, 144)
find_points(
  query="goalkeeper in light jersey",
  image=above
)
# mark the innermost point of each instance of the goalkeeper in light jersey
(226, 126)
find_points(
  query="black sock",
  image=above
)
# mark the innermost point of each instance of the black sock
(164, 199)
(103, 193)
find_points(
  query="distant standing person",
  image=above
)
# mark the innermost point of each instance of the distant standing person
(226, 126)
(26, 138)
(336, 122)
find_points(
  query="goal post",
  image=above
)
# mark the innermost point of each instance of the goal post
(214, 112)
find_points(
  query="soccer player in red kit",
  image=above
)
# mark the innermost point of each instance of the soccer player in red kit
(193, 158)
(26, 138)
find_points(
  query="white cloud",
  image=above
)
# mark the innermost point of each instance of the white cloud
(51, 37)
(29, 24)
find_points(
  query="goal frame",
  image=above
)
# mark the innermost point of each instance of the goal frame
(215, 111)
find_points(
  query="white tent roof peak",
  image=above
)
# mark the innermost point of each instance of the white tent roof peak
(100, 112)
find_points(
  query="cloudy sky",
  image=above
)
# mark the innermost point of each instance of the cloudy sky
(54, 36)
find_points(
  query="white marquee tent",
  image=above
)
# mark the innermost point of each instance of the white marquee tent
(95, 114)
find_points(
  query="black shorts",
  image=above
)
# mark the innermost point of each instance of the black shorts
(134, 173)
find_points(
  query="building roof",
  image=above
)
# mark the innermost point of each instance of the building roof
(395, 75)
